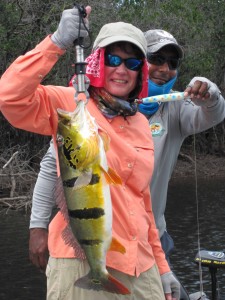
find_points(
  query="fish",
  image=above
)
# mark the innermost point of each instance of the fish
(84, 195)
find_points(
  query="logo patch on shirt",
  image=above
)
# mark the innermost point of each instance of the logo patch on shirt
(156, 129)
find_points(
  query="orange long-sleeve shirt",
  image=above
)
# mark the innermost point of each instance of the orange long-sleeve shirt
(31, 106)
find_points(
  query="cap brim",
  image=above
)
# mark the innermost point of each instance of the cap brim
(119, 38)
(159, 46)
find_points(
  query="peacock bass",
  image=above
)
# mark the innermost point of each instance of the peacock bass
(85, 201)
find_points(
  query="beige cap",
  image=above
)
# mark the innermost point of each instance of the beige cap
(158, 38)
(118, 32)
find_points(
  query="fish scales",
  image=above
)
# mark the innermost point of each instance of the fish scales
(85, 179)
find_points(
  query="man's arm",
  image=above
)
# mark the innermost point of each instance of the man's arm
(206, 110)
(42, 205)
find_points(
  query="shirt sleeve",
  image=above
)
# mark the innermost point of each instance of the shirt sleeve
(154, 239)
(43, 195)
(195, 118)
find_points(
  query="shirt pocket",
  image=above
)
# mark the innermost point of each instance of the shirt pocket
(143, 167)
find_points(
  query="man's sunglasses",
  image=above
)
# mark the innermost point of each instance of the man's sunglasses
(133, 64)
(159, 60)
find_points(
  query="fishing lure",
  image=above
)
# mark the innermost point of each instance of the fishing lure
(163, 98)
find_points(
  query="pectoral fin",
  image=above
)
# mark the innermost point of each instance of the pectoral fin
(83, 180)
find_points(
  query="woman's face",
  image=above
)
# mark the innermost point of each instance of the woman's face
(120, 81)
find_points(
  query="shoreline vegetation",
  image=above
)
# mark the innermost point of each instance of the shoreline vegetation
(18, 176)
(25, 23)
(206, 165)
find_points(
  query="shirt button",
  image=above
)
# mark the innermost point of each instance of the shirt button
(121, 127)
(134, 238)
(130, 165)
(40, 76)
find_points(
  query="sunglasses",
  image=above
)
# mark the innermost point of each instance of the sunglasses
(159, 60)
(132, 64)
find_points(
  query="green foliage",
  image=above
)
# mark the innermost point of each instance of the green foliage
(199, 26)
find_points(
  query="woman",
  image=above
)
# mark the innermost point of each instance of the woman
(117, 71)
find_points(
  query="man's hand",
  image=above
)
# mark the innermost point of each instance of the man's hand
(38, 247)
(68, 29)
(171, 286)
(202, 91)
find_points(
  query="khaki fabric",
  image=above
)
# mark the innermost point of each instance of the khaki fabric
(62, 273)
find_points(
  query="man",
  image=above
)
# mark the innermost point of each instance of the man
(174, 120)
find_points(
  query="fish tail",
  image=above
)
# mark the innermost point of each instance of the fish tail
(107, 283)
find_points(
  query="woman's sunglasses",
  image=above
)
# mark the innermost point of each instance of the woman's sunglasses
(133, 64)
(159, 60)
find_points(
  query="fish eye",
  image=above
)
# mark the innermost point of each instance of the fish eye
(60, 140)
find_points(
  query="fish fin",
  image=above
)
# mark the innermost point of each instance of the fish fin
(83, 180)
(105, 138)
(60, 199)
(116, 178)
(63, 114)
(117, 246)
(70, 240)
(111, 176)
(106, 283)
(67, 234)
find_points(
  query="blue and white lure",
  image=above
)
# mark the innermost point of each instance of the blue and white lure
(164, 98)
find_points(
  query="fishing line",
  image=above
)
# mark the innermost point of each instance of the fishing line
(197, 214)
(82, 15)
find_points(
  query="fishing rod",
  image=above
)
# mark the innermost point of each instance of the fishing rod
(81, 82)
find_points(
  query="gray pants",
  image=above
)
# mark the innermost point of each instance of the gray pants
(62, 273)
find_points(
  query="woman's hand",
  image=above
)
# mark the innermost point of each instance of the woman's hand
(68, 30)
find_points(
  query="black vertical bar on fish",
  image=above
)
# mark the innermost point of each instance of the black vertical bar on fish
(87, 213)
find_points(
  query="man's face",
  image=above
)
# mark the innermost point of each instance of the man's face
(160, 74)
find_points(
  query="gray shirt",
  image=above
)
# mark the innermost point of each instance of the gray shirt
(171, 124)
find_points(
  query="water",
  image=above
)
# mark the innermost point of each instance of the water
(185, 198)
(22, 281)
